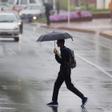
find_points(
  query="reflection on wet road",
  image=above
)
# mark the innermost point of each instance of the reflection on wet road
(28, 71)
(55, 109)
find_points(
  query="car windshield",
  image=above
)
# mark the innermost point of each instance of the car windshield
(10, 1)
(7, 18)
(34, 7)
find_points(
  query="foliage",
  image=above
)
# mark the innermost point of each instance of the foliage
(74, 15)
(100, 11)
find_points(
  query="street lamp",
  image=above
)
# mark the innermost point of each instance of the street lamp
(104, 4)
(68, 12)
(54, 5)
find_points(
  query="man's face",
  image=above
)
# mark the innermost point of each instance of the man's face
(58, 43)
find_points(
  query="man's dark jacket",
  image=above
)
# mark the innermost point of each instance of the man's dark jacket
(64, 58)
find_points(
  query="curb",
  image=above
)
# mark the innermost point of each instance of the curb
(68, 28)
(76, 29)
(107, 35)
(104, 34)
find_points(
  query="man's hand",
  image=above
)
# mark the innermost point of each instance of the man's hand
(55, 51)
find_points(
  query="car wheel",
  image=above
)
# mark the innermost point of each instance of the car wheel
(16, 39)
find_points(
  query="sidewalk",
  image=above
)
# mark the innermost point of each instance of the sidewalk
(101, 26)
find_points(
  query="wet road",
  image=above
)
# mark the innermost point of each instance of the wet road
(28, 71)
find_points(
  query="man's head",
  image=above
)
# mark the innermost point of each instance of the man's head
(60, 43)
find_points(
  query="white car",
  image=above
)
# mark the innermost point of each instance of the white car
(32, 12)
(10, 25)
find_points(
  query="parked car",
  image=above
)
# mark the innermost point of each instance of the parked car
(10, 25)
(32, 12)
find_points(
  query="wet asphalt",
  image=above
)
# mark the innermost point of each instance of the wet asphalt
(28, 71)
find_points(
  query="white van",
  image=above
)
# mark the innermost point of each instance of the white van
(21, 2)
(18, 5)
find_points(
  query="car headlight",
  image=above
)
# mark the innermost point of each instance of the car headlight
(20, 14)
(34, 17)
(19, 23)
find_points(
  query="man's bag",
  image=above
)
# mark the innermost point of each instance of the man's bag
(72, 59)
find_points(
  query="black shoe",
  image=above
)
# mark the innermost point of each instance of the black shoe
(84, 101)
(52, 104)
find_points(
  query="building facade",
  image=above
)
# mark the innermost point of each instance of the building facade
(102, 4)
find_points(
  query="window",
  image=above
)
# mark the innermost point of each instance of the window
(24, 2)
(11, 1)
(17, 2)
(32, 1)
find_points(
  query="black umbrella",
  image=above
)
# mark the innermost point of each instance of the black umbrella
(54, 36)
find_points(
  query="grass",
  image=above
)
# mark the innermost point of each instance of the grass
(96, 11)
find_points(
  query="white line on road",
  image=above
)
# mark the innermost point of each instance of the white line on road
(7, 108)
(98, 67)
(102, 70)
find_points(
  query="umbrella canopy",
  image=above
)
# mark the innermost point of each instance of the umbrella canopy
(54, 36)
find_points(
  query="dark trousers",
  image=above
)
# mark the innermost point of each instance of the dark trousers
(64, 75)
(48, 19)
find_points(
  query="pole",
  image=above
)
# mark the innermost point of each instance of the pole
(54, 4)
(104, 4)
(68, 12)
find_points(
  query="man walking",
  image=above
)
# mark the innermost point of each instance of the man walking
(48, 8)
(64, 74)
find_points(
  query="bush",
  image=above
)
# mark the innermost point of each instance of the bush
(75, 15)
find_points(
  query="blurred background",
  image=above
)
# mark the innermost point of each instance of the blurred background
(90, 9)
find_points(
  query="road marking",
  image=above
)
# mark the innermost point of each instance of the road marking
(102, 70)
(98, 67)
(7, 108)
